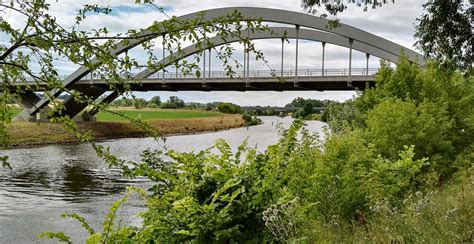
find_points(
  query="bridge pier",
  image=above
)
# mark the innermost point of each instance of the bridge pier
(25, 116)
(27, 101)
(43, 116)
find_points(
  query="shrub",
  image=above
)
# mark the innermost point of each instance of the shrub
(229, 108)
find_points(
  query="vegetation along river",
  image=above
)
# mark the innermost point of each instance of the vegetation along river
(50, 180)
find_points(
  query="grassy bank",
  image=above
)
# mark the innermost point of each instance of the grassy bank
(144, 113)
(24, 133)
(152, 114)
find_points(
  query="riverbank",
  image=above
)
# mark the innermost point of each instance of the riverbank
(30, 134)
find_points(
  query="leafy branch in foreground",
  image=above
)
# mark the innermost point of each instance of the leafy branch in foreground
(42, 41)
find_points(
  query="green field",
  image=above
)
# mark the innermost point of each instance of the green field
(156, 114)
(147, 114)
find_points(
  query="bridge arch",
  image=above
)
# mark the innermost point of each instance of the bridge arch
(279, 32)
(271, 33)
(376, 45)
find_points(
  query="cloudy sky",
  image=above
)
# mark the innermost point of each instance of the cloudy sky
(395, 22)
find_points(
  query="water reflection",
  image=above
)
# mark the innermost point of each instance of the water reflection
(54, 175)
(81, 182)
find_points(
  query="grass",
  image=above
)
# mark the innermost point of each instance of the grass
(25, 133)
(153, 114)
(146, 114)
(111, 126)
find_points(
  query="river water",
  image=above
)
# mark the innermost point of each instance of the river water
(50, 180)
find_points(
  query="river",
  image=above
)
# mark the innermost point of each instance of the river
(50, 180)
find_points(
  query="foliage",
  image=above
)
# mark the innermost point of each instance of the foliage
(123, 102)
(300, 102)
(314, 117)
(60, 236)
(179, 103)
(394, 123)
(303, 112)
(441, 215)
(201, 196)
(342, 116)
(263, 112)
(335, 7)
(251, 120)
(307, 107)
(229, 108)
(156, 100)
(139, 103)
(172, 103)
(429, 108)
(444, 32)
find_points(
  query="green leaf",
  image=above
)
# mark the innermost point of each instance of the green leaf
(82, 220)
(60, 236)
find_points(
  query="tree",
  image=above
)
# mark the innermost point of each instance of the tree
(155, 100)
(229, 108)
(444, 32)
(139, 103)
(335, 7)
(179, 103)
(300, 102)
(209, 106)
(168, 105)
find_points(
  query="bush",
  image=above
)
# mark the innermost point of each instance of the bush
(229, 108)
(251, 120)
(168, 105)
(139, 103)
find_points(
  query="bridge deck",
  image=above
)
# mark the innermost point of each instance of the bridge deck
(321, 83)
(217, 81)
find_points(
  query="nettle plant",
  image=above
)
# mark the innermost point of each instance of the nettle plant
(43, 39)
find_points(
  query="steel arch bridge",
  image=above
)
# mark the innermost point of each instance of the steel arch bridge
(306, 27)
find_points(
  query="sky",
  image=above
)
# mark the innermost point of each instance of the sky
(395, 22)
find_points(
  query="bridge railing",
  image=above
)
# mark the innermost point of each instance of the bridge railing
(252, 74)
(268, 73)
